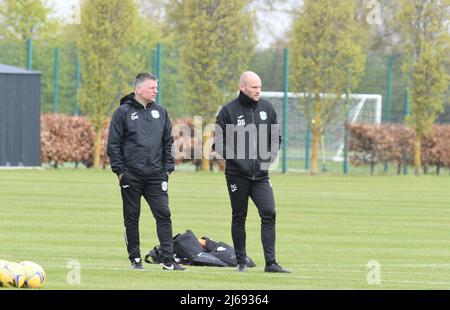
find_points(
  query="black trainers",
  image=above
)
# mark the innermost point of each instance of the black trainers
(173, 266)
(136, 264)
(241, 268)
(276, 268)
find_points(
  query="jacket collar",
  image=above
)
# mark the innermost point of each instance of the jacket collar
(131, 99)
(247, 101)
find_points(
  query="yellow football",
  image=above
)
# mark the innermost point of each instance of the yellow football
(12, 275)
(34, 274)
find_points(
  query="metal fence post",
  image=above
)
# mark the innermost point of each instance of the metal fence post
(159, 72)
(345, 163)
(285, 111)
(55, 81)
(388, 112)
(154, 61)
(388, 115)
(308, 139)
(407, 112)
(76, 110)
(29, 54)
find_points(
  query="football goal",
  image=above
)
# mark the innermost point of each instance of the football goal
(362, 108)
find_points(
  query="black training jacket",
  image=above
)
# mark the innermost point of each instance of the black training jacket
(241, 113)
(140, 139)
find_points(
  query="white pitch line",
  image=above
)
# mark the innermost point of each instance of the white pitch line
(385, 265)
(291, 276)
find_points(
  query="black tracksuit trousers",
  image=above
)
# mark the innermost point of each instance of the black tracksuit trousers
(155, 193)
(260, 191)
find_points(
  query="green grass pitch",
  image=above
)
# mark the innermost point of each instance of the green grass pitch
(328, 229)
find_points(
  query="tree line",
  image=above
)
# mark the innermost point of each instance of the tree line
(329, 42)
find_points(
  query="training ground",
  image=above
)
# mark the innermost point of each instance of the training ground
(333, 232)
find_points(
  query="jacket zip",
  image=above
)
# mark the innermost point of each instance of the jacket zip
(254, 143)
(147, 130)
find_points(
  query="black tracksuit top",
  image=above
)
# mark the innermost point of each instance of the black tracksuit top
(243, 111)
(140, 139)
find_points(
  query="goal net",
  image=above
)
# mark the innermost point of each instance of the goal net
(362, 108)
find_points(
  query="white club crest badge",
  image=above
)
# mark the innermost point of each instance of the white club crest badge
(155, 114)
(164, 186)
(263, 115)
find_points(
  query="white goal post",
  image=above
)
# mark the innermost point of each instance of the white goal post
(362, 108)
(362, 99)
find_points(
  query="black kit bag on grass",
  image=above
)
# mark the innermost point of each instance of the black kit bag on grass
(154, 256)
(185, 252)
(186, 246)
(188, 250)
(224, 252)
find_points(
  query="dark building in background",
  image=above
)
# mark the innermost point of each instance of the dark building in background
(20, 110)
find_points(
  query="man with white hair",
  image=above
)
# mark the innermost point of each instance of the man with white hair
(248, 138)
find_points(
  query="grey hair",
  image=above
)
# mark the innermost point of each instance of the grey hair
(142, 77)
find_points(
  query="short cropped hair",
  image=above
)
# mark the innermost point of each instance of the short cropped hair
(142, 77)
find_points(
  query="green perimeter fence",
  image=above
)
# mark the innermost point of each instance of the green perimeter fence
(61, 78)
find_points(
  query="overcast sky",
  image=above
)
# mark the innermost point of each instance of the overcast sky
(271, 24)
